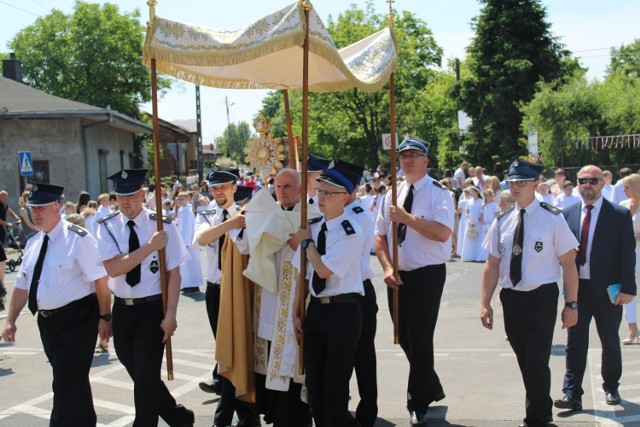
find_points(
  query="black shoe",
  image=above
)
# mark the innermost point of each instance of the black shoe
(3, 290)
(214, 387)
(192, 290)
(568, 402)
(613, 398)
(418, 419)
(252, 422)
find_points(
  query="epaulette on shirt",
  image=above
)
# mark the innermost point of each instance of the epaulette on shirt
(552, 209)
(104, 218)
(315, 220)
(348, 228)
(154, 216)
(358, 209)
(504, 212)
(78, 230)
(207, 212)
(440, 186)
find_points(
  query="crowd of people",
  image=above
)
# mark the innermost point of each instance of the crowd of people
(277, 287)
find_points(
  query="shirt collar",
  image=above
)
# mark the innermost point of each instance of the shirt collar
(530, 208)
(56, 230)
(231, 210)
(138, 219)
(419, 183)
(335, 221)
(597, 205)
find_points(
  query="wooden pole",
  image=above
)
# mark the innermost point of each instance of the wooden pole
(156, 169)
(293, 152)
(303, 158)
(394, 182)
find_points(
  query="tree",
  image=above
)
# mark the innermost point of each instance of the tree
(626, 60)
(93, 56)
(233, 141)
(511, 52)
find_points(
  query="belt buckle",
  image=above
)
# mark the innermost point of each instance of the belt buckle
(325, 300)
(128, 301)
(44, 313)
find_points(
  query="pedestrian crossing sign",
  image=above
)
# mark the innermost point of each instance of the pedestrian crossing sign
(24, 163)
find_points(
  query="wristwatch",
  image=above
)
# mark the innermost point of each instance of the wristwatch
(106, 317)
(305, 243)
(573, 305)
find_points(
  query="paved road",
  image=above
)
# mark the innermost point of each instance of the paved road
(477, 367)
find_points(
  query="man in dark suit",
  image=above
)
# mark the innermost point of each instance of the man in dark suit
(606, 256)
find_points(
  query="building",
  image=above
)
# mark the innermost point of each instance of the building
(72, 144)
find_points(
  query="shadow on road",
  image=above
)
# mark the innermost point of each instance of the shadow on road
(614, 414)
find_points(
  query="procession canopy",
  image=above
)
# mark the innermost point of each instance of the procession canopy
(267, 54)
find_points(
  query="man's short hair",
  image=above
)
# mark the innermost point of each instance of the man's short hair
(607, 173)
(625, 172)
(567, 183)
(560, 171)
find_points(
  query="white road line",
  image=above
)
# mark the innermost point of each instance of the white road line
(191, 364)
(125, 409)
(13, 410)
(127, 385)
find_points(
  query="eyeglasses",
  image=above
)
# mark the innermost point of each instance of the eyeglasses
(512, 184)
(592, 181)
(414, 155)
(325, 193)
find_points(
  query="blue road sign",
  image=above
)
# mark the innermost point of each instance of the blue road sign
(25, 163)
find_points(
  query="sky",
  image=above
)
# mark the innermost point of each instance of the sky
(588, 28)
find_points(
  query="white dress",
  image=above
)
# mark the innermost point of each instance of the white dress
(462, 225)
(631, 309)
(472, 246)
(489, 211)
(191, 271)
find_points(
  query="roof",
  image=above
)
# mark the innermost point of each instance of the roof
(19, 101)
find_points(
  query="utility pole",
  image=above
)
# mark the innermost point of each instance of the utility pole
(226, 103)
(199, 135)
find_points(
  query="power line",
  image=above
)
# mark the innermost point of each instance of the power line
(36, 2)
(18, 8)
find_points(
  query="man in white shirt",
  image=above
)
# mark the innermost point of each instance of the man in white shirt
(460, 175)
(566, 199)
(618, 189)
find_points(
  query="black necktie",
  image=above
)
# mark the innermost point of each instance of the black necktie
(133, 276)
(317, 283)
(584, 236)
(225, 214)
(33, 290)
(407, 205)
(515, 268)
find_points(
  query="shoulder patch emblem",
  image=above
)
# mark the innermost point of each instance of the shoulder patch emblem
(166, 220)
(315, 220)
(440, 186)
(207, 212)
(552, 209)
(503, 213)
(348, 228)
(358, 209)
(78, 230)
(111, 215)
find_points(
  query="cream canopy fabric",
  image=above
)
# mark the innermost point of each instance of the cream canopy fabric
(267, 54)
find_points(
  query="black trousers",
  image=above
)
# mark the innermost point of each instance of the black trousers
(228, 404)
(212, 302)
(331, 334)
(137, 338)
(282, 408)
(419, 306)
(529, 321)
(68, 338)
(365, 361)
(608, 318)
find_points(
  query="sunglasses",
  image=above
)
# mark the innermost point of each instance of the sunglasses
(592, 181)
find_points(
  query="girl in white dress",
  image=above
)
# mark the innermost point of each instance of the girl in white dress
(191, 271)
(462, 223)
(472, 239)
(489, 211)
(632, 190)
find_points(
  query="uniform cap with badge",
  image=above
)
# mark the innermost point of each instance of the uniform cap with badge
(43, 194)
(222, 175)
(128, 181)
(355, 172)
(316, 163)
(521, 170)
(413, 143)
(339, 175)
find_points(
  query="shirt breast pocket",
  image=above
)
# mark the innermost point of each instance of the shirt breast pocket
(540, 243)
(505, 243)
(63, 272)
(421, 212)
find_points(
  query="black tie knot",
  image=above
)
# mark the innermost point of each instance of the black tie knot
(131, 223)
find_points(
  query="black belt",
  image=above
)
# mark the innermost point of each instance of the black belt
(136, 301)
(213, 285)
(338, 299)
(47, 313)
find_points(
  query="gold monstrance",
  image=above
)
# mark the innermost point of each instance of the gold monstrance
(263, 153)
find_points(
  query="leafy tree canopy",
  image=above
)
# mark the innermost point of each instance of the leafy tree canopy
(93, 56)
(233, 141)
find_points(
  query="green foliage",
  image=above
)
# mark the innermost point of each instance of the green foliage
(233, 141)
(512, 51)
(93, 56)
(626, 60)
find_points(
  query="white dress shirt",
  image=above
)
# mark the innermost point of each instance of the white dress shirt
(207, 219)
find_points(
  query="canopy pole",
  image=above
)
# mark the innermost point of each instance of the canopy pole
(156, 169)
(293, 153)
(394, 183)
(303, 157)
